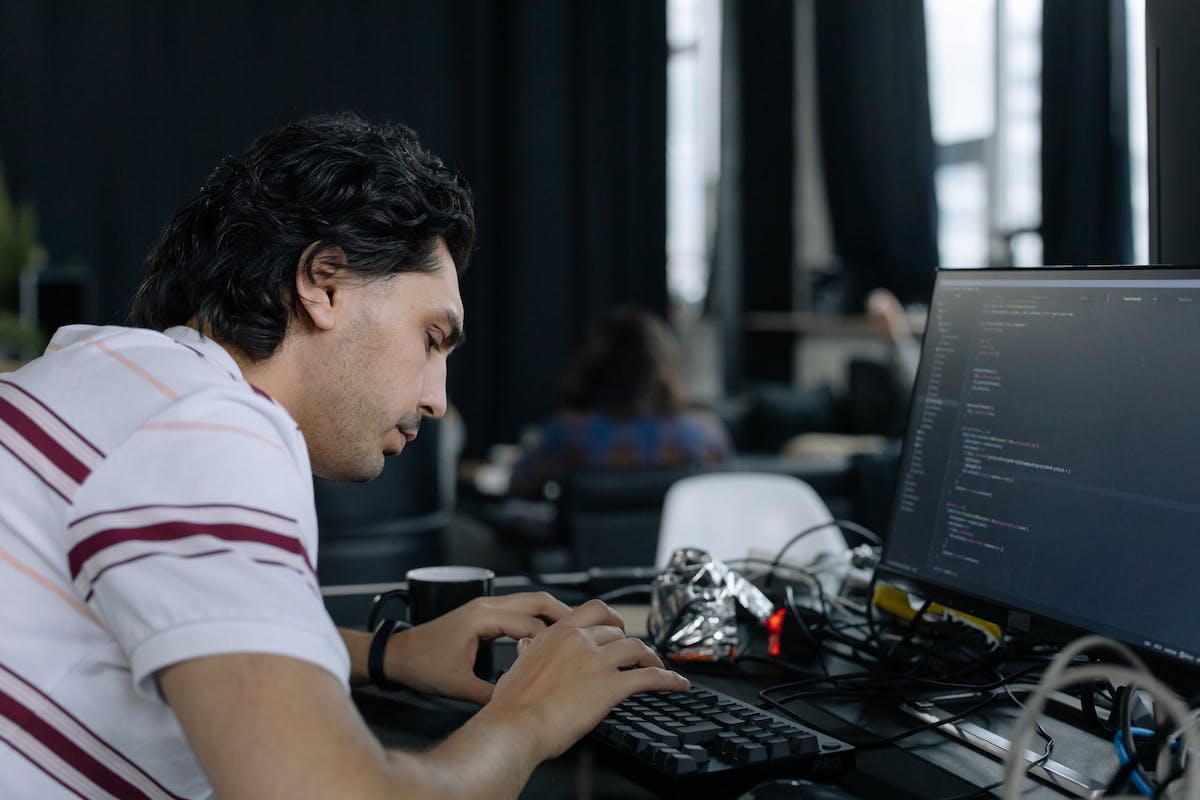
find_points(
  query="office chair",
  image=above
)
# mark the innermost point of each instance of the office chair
(734, 514)
(377, 531)
(613, 518)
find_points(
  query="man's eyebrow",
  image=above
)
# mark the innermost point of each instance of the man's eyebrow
(456, 336)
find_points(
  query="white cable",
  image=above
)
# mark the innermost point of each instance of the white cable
(1058, 678)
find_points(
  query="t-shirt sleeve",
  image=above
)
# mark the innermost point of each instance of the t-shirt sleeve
(197, 536)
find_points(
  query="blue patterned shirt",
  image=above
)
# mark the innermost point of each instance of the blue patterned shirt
(575, 441)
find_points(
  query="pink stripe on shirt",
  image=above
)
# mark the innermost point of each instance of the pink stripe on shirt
(64, 748)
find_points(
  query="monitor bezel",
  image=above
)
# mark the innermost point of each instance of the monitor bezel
(1183, 675)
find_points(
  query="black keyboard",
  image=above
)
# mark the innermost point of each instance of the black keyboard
(702, 741)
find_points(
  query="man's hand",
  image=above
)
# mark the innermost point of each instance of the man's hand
(438, 656)
(269, 726)
(570, 675)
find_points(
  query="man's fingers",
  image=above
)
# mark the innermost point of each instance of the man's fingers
(534, 604)
(629, 652)
(594, 612)
(604, 634)
(653, 679)
(506, 622)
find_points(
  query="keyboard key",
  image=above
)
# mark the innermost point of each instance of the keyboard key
(680, 764)
(700, 732)
(804, 744)
(777, 748)
(657, 733)
(640, 742)
(722, 738)
(750, 753)
(730, 746)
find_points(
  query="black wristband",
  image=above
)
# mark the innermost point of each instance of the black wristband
(375, 656)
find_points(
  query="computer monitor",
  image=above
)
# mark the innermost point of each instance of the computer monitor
(1050, 475)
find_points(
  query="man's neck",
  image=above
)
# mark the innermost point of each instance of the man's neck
(278, 375)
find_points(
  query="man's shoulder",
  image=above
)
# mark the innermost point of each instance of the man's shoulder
(120, 347)
(107, 382)
(128, 362)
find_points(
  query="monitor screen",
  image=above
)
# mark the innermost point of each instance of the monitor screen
(1051, 464)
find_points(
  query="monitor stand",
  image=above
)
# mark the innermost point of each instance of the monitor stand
(993, 744)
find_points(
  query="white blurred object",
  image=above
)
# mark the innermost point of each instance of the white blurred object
(731, 514)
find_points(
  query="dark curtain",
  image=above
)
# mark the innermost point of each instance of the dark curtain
(1087, 215)
(753, 269)
(724, 298)
(877, 145)
(114, 113)
(878, 160)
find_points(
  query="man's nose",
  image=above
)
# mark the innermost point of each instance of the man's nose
(433, 391)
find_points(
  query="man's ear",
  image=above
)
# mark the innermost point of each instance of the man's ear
(318, 288)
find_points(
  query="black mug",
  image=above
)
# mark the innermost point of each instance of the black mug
(434, 591)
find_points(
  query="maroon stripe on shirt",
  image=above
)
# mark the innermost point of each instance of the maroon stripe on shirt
(52, 413)
(88, 764)
(180, 529)
(189, 347)
(31, 432)
(261, 393)
(220, 551)
(40, 476)
(263, 511)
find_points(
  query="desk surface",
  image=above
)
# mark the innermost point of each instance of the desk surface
(928, 765)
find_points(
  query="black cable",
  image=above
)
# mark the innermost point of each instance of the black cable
(909, 630)
(983, 791)
(1047, 738)
(1161, 789)
(840, 524)
(872, 744)
(872, 628)
(871, 682)
(1125, 725)
(804, 629)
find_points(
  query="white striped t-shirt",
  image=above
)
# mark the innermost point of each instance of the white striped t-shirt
(154, 507)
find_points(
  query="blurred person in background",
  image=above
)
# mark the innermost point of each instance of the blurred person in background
(624, 407)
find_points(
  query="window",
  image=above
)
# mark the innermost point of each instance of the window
(985, 96)
(693, 155)
(1135, 28)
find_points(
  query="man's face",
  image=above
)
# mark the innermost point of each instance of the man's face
(384, 371)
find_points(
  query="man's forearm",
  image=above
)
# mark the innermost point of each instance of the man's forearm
(491, 756)
(358, 645)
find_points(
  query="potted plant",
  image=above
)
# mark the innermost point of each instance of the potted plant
(19, 250)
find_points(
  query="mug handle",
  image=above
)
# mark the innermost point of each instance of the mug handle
(380, 601)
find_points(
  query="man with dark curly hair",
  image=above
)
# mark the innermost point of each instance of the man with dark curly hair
(164, 635)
